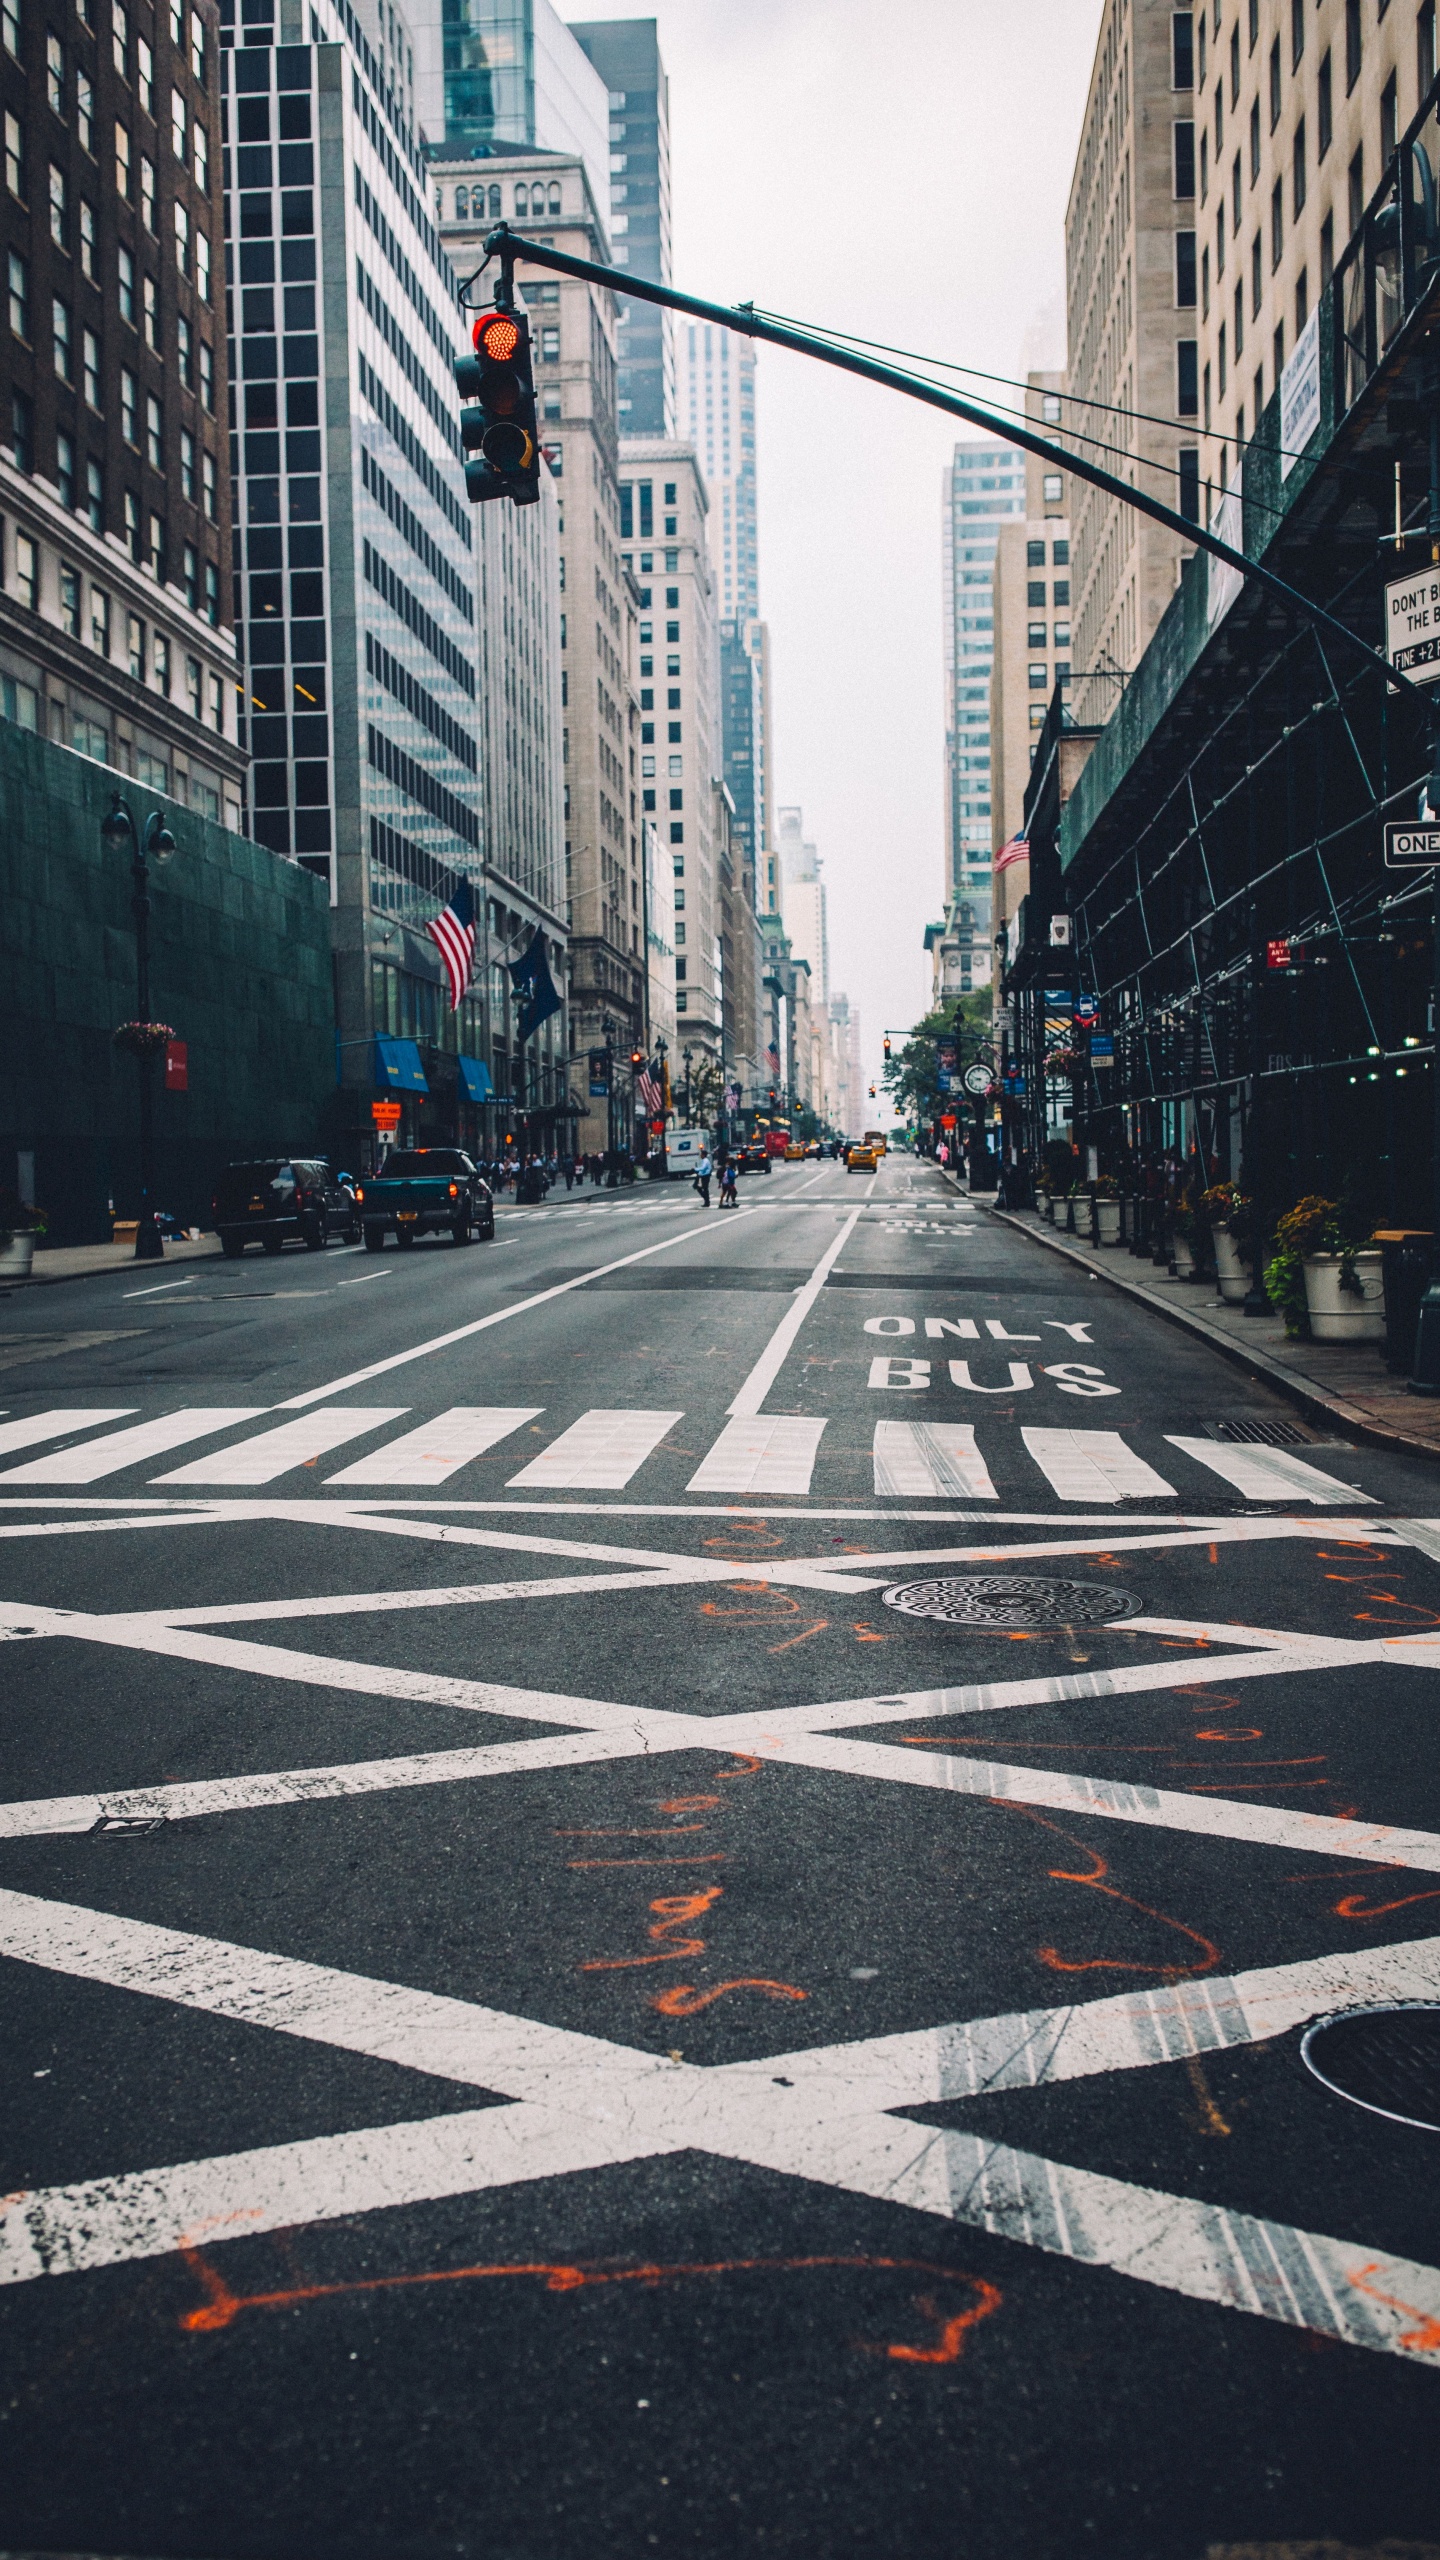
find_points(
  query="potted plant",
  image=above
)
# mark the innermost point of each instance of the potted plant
(1183, 1227)
(1107, 1209)
(142, 1039)
(21, 1225)
(1229, 1217)
(1343, 1277)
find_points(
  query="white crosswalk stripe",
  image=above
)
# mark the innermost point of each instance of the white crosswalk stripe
(1091, 1466)
(273, 1453)
(438, 1449)
(57, 1424)
(761, 1453)
(127, 1448)
(1267, 1475)
(601, 1451)
(930, 1457)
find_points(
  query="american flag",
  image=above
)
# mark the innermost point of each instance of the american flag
(1017, 850)
(650, 1093)
(453, 934)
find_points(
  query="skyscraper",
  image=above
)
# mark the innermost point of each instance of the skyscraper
(510, 72)
(718, 416)
(626, 54)
(984, 485)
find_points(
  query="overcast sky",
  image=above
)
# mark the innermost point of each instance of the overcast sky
(902, 169)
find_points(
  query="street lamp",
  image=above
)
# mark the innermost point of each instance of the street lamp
(689, 1111)
(117, 830)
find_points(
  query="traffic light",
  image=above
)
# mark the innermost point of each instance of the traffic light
(872, 1093)
(887, 1048)
(637, 1058)
(498, 389)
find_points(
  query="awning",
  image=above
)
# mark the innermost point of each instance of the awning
(475, 1080)
(398, 1068)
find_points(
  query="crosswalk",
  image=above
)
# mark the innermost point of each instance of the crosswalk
(606, 1448)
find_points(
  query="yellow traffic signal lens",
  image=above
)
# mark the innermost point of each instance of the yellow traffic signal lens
(498, 337)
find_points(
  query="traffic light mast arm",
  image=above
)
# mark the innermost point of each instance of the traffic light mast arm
(508, 246)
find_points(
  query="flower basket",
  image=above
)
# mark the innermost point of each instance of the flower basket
(1345, 1296)
(142, 1039)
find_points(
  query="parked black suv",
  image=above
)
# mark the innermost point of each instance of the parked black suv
(281, 1197)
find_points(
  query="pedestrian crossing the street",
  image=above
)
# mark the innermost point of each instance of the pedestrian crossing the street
(606, 1448)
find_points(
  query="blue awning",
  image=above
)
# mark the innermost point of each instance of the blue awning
(398, 1068)
(475, 1080)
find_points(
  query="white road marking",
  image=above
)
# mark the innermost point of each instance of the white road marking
(440, 1448)
(772, 1359)
(1267, 1475)
(1092, 1466)
(601, 1452)
(362, 1276)
(930, 1457)
(761, 1453)
(128, 1448)
(58, 1423)
(502, 1315)
(290, 1444)
(581, 2103)
(159, 1287)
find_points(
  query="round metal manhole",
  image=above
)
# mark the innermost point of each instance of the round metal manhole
(1385, 2060)
(1011, 1600)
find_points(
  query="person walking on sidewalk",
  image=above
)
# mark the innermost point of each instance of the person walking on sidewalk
(729, 1198)
(702, 1179)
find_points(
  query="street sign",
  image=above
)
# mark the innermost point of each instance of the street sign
(1279, 955)
(386, 1115)
(1059, 932)
(1102, 1050)
(947, 1119)
(1412, 626)
(1411, 848)
(977, 1079)
(599, 1074)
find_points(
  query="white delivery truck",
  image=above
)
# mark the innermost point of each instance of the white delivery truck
(684, 1149)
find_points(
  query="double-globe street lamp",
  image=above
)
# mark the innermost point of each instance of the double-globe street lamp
(118, 829)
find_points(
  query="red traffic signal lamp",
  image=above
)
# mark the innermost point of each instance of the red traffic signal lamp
(637, 1057)
(887, 1048)
(498, 419)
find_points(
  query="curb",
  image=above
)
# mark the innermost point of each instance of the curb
(1257, 1362)
(102, 1271)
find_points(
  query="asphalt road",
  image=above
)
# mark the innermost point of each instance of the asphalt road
(551, 2007)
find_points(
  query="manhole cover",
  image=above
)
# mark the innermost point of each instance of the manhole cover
(1011, 1600)
(1386, 2060)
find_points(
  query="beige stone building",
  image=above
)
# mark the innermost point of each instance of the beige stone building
(1130, 270)
(663, 506)
(1299, 105)
(573, 327)
(1032, 652)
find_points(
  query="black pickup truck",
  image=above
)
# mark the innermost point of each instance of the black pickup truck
(422, 1190)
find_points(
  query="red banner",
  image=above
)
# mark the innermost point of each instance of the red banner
(177, 1066)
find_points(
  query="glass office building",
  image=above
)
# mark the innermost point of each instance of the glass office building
(626, 54)
(984, 484)
(507, 71)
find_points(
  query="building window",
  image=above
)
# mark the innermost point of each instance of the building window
(132, 526)
(15, 158)
(129, 407)
(90, 363)
(64, 350)
(200, 156)
(1425, 47)
(1354, 44)
(94, 497)
(145, 76)
(185, 352)
(202, 265)
(1205, 285)
(1277, 351)
(10, 26)
(154, 433)
(69, 601)
(182, 239)
(1254, 10)
(207, 378)
(65, 469)
(1357, 188)
(1277, 224)
(1257, 281)
(1324, 109)
(122, 161)
(1039, 678)
(100, 622)
(1187, 379)
(1185, 270)
(1052, 491)
(1184, 159)
(217, 706)
(125, 270)
(1220, 354)
(209, 499)
(187, 466)
(1182, 49)
(1234, 66)
(1035, 559)
(155, 549)
(1302, 301)
(1239, 322)
(197, 47)
(59, 210)
(55, 74)
(135, 646)
(1274, 84)
(1389, 124)
(1220, 240)
(1297, 173)
(1036, 636)
(85, 112)
(550, 345)
(1297, 32)
(149, 210)
(19, 296)
(160, 660)
(192, 687)
(150, 304)
(191, 578)
(177, 124)
(87, 241)
(120, 39)
(1254, 142)
(27, 572)
(1207, 399)
(212, 595)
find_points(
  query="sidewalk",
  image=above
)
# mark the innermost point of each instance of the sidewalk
(1337, 1383)
(78, 1261)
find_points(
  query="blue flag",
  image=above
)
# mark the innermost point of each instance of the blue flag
(530, 977)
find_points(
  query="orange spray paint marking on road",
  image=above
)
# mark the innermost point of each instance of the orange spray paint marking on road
(744, 1765)
(870, 1635)
(703, 1858)
(803, 1638)
(1425, 2340)
(222, 2306)
(1095, 1881)
(690, 1804)
(1351, 1906)
(1241, 1733)
(674, 1910)
(684, 2001)
(1211, 2120)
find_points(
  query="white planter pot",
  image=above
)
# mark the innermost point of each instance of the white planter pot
(1232, 1268)
(1107, 1221)
(17, 1256)
(1336, 1314)
(1184, 1258)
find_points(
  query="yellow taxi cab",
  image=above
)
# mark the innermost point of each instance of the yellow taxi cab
(862, 1158)
(794, 1153)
